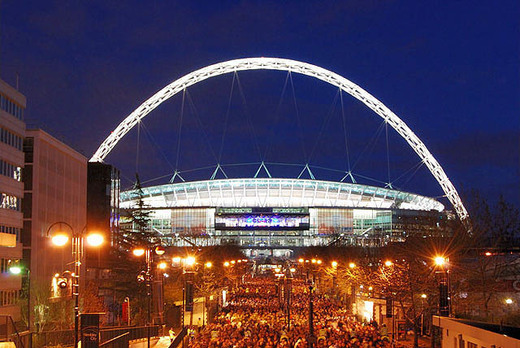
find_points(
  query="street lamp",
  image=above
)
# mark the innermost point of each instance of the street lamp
(60, 237)
(423, 309)
(311, 316)
(147, 278)
(17, 269)
(440, 261)
(288, 293)
(334, 272)
(188, 264)
(444, 286)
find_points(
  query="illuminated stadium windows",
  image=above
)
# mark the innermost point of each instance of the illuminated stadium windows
(285, 213)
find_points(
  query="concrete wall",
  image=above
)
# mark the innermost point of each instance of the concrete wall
(454, 332)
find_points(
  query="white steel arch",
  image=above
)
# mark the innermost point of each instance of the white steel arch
(300, 68)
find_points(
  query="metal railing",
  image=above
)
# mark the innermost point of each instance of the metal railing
(179, 338)
(66, 337)
(134, 332)
(53, 338)
(9, 332)
(120, 341)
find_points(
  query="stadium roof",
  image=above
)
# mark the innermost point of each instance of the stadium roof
(263, 192)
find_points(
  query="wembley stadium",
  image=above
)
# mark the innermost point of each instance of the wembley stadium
(277, 216)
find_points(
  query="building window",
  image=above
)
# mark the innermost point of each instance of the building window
(9, 297)
(11, 107)
(11, 202)
(5, 263)
(10, 230)
(10, 170)
(27, 177)
(28, 149)
(27, 205)
(11, 139)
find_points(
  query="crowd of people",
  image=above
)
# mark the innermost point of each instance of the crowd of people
(256, 316)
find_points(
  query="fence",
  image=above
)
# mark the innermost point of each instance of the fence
(66, 337)
(9, 332)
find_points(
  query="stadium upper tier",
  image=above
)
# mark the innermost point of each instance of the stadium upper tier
(281, 193)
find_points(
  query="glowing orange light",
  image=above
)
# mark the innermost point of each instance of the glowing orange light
(60, 239)
(190, 261)
(95, 239)
(162, 265)
(440, 260)
(159, 250)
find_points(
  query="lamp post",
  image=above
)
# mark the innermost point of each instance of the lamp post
(334, 265)
(288, 295)
(60, 238)
(148, 257)
(311, 316)
(17, 269)
(208, 265)
(423, 298)
(444, 286)
(187, 264)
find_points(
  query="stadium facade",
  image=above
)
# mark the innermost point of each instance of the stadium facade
(267, 216)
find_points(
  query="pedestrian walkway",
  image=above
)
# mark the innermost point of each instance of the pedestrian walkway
(155, 342)
(424, 342)
(258, 314)
(163, 342)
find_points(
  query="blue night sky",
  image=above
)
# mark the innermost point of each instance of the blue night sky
(449, 69)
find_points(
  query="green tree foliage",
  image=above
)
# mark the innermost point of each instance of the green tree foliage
(141, 233)
(50, 313)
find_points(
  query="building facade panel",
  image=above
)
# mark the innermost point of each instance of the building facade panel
(55, 195)
(12, 132)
